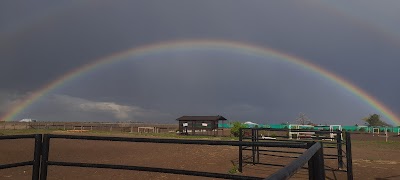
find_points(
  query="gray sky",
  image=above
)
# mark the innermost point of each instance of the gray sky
(358, 41)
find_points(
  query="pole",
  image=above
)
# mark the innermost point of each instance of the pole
(253, 148)
(316, 165)
(339, 148)
(258, 147)
(36, 157)
(386, 134)
(320, 169)
(240, 151)
(45, 157)
(349, 159)
(310, 164)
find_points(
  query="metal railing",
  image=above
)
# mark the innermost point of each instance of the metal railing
(35, 163)
(338, 144)
(313, 156)
(46, 162)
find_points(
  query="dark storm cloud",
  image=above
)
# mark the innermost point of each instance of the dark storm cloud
(35, 54)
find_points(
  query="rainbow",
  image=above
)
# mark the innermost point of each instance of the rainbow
(199, 44)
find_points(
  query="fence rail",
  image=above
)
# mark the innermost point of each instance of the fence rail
(253, 134)
(41, 161)
(35, 163)
(181, 141)
(315, 153)
(46, 146)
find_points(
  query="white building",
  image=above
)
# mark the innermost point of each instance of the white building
(28, 120)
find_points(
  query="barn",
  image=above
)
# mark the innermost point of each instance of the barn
(204, 125)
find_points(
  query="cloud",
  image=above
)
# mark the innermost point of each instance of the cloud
(119, 111)
(60, 107)
(212, 81)
(8, 100)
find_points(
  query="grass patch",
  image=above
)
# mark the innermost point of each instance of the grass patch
(234, 170)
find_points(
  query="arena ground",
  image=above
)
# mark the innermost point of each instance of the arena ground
(373, 158)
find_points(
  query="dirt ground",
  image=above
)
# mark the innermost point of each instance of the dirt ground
(372, 159)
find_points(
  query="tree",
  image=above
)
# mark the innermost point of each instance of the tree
(235, 128)
(303, 119)
(375, 120)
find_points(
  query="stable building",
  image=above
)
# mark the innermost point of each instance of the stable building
(201, 125)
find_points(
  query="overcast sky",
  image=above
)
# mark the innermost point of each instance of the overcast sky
(359, 41)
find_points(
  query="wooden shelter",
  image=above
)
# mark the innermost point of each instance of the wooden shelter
(200, 124)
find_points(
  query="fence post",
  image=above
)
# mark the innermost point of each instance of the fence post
(45, 157)
(321, 163)
(36, 157)
(253, 148)
(349, 157)
(310, 164)
(240, 150)
(339, 148)
(258, 148)
(316, 165)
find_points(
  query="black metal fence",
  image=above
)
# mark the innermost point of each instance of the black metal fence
(35, 163)
(337, 142)
(312, 156)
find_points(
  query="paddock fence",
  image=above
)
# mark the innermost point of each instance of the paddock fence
(313, 156)
(90, 126)
(337, 141)
(35, 163)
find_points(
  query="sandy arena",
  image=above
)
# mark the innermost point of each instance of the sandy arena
(372, 159)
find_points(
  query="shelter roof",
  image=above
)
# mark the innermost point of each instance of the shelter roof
(201, 118)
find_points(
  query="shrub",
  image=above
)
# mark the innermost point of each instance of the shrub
(233, 170)
(235, 128)
(273, 135)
